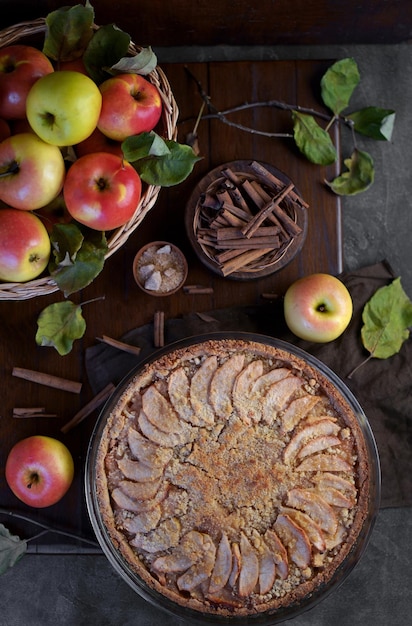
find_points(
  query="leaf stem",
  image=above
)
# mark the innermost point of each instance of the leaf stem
(355, 369)
(92, 300)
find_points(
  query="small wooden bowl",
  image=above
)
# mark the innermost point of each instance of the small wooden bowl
(160, 268)
(213, 224)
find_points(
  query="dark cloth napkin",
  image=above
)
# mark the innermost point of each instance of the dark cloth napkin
(382, 387)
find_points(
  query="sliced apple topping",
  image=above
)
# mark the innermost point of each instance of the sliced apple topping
(140, 491)
(295, 540)
(200, 571)
(267, 569)
(310, 431)
(297, 410)
(249, 567)
(143, 522)
(236, 561)
(160, 413)
(164, 537)
(221, 385)
(324, 462)
(222, 566)
(318, 445)
(279, 553)
(141, 472)
(262, 383)
(189, 551)
(277, 396)
(168, 440)
(242, 391)
(199, 391)
(327, 479)
(140, 447)
(179, 394)
(315, 506)
(311, 528)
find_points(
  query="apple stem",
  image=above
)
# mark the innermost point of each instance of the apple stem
(34, 478)
(11, 168)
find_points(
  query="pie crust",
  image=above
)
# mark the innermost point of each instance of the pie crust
(232, 477)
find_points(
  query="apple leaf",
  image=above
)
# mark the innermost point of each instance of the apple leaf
(108, 45)
(312, 140)
(68, 32)
(358, 178)
(386, 317)
(338, 84)
(168, 169)
(374, 122)
(142, 63)
(77, 260)
(12, 548)
(143, 145)
(59, 325)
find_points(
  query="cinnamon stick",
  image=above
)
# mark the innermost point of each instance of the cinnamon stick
(272, 181)
(265, 211)
(197, 290)
(91, 406)
(244, 259)
(120, 345)
(29, 412)
(158, 329)
(47, 379)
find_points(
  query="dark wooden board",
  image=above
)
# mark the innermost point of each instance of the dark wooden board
(125, 306)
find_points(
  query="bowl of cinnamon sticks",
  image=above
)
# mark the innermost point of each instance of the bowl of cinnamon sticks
(246, 220)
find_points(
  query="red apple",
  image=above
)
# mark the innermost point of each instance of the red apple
(76, 65)
(39, 470)
(102, 191)
(20, 67)
(318, 307)
(130, 105)
(32, 171)
(97, 142)
(24, 246)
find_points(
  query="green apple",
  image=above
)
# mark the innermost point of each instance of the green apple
(32, 172)
(63, 108)
(318, 307)
(24, 246)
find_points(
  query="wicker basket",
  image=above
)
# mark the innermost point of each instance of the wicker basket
(46, 285)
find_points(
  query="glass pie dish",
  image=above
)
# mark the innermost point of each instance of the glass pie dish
(274, 351)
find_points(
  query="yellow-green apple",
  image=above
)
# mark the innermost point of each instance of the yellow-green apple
(130, 105)
(39, 470)
(97, 142)
(32, 171)
(63, 107)
(318, 307)
(24, 245)
(102, 191)
(20, 67)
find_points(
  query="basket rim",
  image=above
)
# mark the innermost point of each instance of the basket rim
(46, 285)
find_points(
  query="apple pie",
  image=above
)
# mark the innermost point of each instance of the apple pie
(232, 476)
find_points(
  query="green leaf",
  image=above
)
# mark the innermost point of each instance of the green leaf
(312, 140)
(169, 169)
(143, 63)
(12, 548)
(358, 178)
(338, 84)
(143, 145)
(76, 266)
(387, 317)
(68, 32)
(374, 122)
(59, 325)
(108, 45)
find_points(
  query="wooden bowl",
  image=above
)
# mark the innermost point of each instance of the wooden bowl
(160, 268)
(246, 220)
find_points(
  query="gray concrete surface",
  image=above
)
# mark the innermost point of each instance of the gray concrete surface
(77, 590)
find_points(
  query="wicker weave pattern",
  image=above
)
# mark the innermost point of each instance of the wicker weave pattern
(45, 285)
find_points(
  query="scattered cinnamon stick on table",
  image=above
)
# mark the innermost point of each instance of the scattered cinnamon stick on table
(120, 345)
(158, 329)
(47, 379)
(91, 406)
(29, 412)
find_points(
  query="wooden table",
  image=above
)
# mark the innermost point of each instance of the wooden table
(124, 306)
